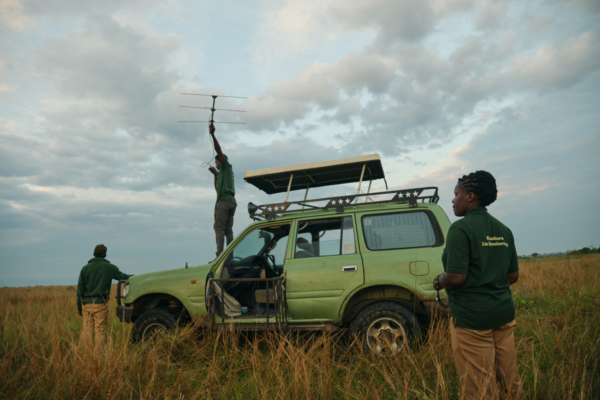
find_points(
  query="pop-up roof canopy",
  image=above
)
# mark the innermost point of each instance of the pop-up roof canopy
(324, 173)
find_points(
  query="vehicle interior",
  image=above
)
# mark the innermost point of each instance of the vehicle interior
(260, 254)
(324, 237)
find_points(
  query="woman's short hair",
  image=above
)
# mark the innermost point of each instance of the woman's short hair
(482, 184)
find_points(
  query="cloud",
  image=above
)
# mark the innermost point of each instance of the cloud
(530, 155)
(320, 85)
(115, 124)
(108, 61)
(11, 14)
(414, 96)
(70, 8)
(533, 189)
(585, 5)
(294, 22)
(541, 165)
(558, 65)
(393, 20)
(538, 23)
(490, 15)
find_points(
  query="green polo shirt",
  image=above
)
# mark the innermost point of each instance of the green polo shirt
(482, 248)
(225, 188)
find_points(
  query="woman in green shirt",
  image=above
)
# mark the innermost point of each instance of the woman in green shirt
(480, 264)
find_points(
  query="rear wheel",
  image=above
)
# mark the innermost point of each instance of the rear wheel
(385, 328)
(153, 322)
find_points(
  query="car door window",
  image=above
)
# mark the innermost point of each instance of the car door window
(325, 237)
(277, 249)
(398, 231)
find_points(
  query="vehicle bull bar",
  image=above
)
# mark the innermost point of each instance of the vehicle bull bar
(124, 313)
(216, 304)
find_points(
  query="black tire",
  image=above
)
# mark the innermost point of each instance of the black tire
(152, 322)
(385, 328)
(180, 314)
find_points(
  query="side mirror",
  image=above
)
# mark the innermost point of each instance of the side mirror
(252, 208)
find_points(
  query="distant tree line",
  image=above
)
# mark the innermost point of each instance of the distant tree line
(580, 252)
(584, 250)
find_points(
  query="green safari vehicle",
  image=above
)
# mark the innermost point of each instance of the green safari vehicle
(364, 261)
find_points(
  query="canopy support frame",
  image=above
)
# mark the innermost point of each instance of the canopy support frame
(360, 181)
(306, 194)
(288, 189)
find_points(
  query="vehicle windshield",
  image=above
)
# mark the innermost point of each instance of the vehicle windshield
(256, 241)
(251, 245)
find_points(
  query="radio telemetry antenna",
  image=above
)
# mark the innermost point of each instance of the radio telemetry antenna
(212, 115)
(213, 109)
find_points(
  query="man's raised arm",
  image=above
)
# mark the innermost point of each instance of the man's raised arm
(211, 130)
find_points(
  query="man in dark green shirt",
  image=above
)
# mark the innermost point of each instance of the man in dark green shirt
(226, 204)
(93, 292)
(480, 264)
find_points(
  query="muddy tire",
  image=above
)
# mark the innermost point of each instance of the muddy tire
(385, 328)
(153, 322)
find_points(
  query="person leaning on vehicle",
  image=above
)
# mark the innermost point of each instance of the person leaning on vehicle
(226, 204)
(480, 264)
(93, 291)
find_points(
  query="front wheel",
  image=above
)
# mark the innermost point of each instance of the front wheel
(385, 327)
(153, 322)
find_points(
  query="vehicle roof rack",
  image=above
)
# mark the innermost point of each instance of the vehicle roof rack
(339, 203)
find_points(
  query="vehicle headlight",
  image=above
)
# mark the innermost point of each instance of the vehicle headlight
(125, 290)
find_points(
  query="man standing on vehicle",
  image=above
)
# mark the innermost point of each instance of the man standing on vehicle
(93, 292)
(226, 204)
(480, 261)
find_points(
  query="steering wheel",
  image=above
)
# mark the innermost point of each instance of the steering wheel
(264, 260)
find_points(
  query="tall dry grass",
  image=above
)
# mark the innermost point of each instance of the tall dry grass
(558, 339)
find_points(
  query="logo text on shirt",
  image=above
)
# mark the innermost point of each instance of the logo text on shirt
(493, 242)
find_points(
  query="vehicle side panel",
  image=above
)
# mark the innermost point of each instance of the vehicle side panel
(176, 283)
(410, 268)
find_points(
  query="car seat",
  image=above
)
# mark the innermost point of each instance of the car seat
(306, 249)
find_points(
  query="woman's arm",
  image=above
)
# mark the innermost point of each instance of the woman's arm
(513, 277)
(449, 280)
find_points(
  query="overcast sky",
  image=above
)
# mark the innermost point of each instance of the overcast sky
(91, 151)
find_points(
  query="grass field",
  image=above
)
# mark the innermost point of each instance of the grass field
(558, 345)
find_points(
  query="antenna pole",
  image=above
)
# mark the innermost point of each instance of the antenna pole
(212, 110)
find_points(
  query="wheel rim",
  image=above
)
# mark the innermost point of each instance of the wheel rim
(386, 337)
(152, 330)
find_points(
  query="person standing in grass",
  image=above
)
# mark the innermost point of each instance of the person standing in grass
(480, 264)
(93, 292)
(226, 204)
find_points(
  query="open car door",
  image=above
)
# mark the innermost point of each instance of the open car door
(248, 286)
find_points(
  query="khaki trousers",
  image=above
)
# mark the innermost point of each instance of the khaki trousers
(486, 362)
(95, 317)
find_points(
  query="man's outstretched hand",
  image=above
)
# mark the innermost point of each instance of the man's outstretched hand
(211, 129)
(213, 170)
